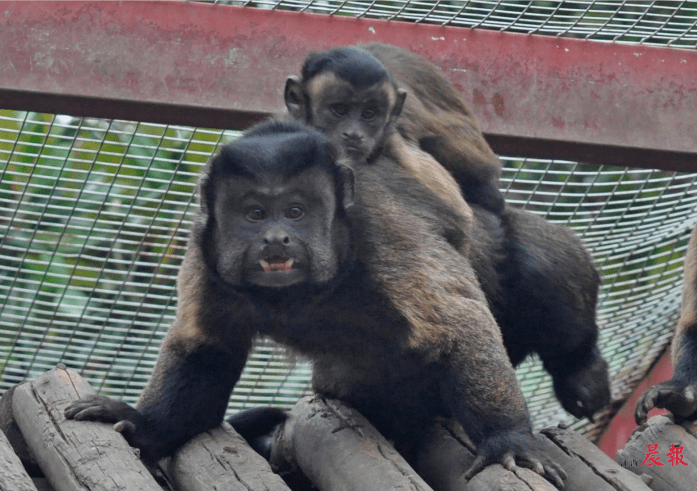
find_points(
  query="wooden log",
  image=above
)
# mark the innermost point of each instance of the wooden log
(75, 455)
(220, 459)
(338, 449)
(13, 477)
(671, 476)
(42, 484)
(447, 453)
(8, 425)
(586, 465)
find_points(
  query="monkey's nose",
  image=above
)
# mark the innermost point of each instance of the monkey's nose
(276, 236)
(353, 137)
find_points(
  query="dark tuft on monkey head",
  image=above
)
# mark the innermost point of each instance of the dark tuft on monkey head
(356, 66)
(283, 148)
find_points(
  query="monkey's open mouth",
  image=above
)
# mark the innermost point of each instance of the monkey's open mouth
(277, 264)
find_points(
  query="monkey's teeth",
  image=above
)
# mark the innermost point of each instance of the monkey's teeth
(276, 266)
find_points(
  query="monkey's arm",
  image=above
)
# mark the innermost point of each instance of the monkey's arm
(490, 406)
(199, 363)
(187, 394)
(679, 394)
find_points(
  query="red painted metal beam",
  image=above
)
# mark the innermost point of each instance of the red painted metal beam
(619, 429)
(221, 66)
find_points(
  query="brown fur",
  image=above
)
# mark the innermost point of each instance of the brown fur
(436, 118)
(679, 394)
(687, 324)
(503, 244)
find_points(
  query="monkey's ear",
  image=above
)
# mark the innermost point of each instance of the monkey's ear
(399, 103)
(295, 100)
(205, 184)
(202, 191)
(347, 183)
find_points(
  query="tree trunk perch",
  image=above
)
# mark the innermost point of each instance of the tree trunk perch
(663, 431)
(75, 455)
(220, 459)
(13, 477)
(339, 450)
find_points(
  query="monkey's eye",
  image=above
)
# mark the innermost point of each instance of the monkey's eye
(339, 110)
(295, 213)
(255, 214)
(368, 114)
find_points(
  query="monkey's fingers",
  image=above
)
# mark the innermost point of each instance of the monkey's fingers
(643, 406)
(678, 398)
(508, 461)
(553, 472)
(477, 466)
(679, 402)
(90, 408)
(125, 427)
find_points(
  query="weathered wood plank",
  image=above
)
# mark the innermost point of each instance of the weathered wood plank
(8, 425)
(75, 455)
(447, 452)
(338, 449)
(670, 476)
(13, 477)
(586, 465)
(42, 484)
(220, 459)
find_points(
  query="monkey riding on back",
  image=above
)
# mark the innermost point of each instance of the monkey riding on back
(377, 101)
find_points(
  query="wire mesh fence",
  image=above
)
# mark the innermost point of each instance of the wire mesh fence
(671, 23)
(94, 217)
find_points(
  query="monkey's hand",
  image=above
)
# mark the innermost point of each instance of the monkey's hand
(127, 420)
(585, 390)
(516, 448)
(680, 398)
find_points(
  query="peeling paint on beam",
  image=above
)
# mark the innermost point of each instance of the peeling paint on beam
(221, 66)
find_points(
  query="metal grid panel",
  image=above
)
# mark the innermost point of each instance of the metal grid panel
(671, 23)
(94, 217)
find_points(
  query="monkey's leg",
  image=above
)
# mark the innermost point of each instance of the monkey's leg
(549, 308)
(472, 163)
(679, 394)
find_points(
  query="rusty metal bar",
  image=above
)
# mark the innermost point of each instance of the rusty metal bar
(222, 66)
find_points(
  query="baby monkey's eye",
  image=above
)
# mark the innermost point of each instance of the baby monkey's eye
(255, 214)
(339, 109)
(295, 213)
(368, 114)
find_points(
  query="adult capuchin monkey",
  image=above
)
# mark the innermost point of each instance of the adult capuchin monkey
(679, 394)
(540, 282)
(288, 243)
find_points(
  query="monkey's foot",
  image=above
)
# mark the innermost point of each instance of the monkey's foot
(514, 449)
(679, 398)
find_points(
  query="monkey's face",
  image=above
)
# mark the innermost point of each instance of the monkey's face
(276, 231)
(355, 119)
